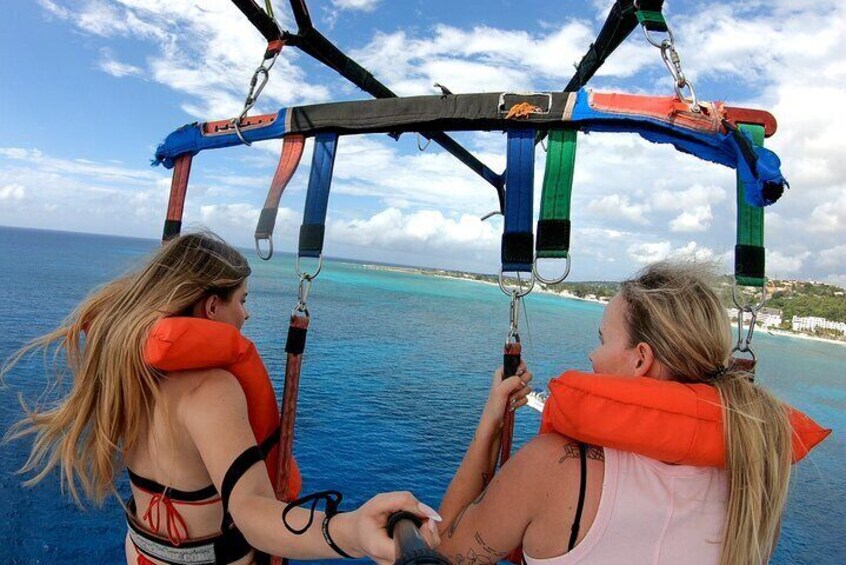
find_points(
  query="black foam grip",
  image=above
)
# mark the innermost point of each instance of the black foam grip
(171, 229)
(553, 235)
(749, 261)
(517, 247)
(296, 341)
(510, 364)
(267, 219)
(311, 237)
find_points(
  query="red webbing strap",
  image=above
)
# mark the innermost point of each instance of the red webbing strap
(176, 203)
(289, 160)
(294, 347)
(511, 361)
(288, 407)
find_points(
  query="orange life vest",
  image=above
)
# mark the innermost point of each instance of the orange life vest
(668, 421)
(180, 344)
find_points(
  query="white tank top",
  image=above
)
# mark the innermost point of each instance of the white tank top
(653, 513)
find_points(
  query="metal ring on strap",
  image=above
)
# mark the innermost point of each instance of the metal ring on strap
(540, 279)
(309, 276)
(517, 291)
(269, 239)
(746, 306)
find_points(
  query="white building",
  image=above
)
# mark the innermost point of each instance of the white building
(767, 317)
(812, 323)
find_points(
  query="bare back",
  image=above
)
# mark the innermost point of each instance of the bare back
(166, 454)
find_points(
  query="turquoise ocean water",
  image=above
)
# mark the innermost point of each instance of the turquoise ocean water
(396, 372)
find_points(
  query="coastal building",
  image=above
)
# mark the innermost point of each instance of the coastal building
(813, 323)
(767, 317)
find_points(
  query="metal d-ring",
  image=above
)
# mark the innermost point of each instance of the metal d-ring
(517, 291)
(269, 239)
(746, 306)
(540, 279)
(305, 275)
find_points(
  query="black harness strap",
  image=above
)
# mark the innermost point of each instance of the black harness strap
(241, 465)
(574, 530)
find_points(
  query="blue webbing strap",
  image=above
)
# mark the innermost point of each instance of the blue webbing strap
(317, 198)
(517, 239)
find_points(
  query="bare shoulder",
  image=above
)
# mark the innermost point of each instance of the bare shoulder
(209, 391)
(550, 451)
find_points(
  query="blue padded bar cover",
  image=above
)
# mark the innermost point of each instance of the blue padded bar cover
(317, 197)
(517, 239)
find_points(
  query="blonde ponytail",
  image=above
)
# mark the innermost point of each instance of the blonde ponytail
(673, 308)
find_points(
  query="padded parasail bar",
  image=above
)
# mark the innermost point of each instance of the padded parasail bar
(657, 119)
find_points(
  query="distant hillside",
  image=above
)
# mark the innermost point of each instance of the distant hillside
(793, 298)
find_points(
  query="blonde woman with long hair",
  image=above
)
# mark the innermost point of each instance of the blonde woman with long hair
(179, 434)
(566, 502)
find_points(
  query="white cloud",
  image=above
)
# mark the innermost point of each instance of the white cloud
(781, 264)
(362, 5)
(834, 258)
(427, 230)
(697, 219)
(829, 217)
(117, 69)
(696, 196)
(12, 192)
(614, 206)
(649, 252)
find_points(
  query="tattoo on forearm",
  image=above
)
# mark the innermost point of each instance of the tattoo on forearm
(571, 451)
(454, 525)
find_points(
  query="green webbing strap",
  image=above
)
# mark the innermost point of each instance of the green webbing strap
(553, 239)
(749, 251)
(651, 20)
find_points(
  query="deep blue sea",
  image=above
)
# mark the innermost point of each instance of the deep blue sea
(395, 374)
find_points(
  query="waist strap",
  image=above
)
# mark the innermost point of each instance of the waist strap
(225, 547)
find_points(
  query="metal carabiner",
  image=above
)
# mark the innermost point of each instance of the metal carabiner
(302, 295)
(269, 239)
(513, 319)
(540, 279)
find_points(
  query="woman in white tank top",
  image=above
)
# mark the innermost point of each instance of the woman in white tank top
(564, 502)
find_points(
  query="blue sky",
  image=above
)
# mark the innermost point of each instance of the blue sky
(88, 88)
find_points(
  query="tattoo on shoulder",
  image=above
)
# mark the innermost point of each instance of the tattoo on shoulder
(571, 451)
(482, 554)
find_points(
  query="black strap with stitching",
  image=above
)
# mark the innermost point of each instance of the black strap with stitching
(574, 530)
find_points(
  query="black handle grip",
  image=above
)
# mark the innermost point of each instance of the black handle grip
(411, 548)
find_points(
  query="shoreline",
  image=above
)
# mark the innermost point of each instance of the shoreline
(570, 296)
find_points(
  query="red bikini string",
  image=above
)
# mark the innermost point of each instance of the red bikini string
(177, 529)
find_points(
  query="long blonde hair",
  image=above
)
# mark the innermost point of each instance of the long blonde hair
(674, 308)
(113, 389)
